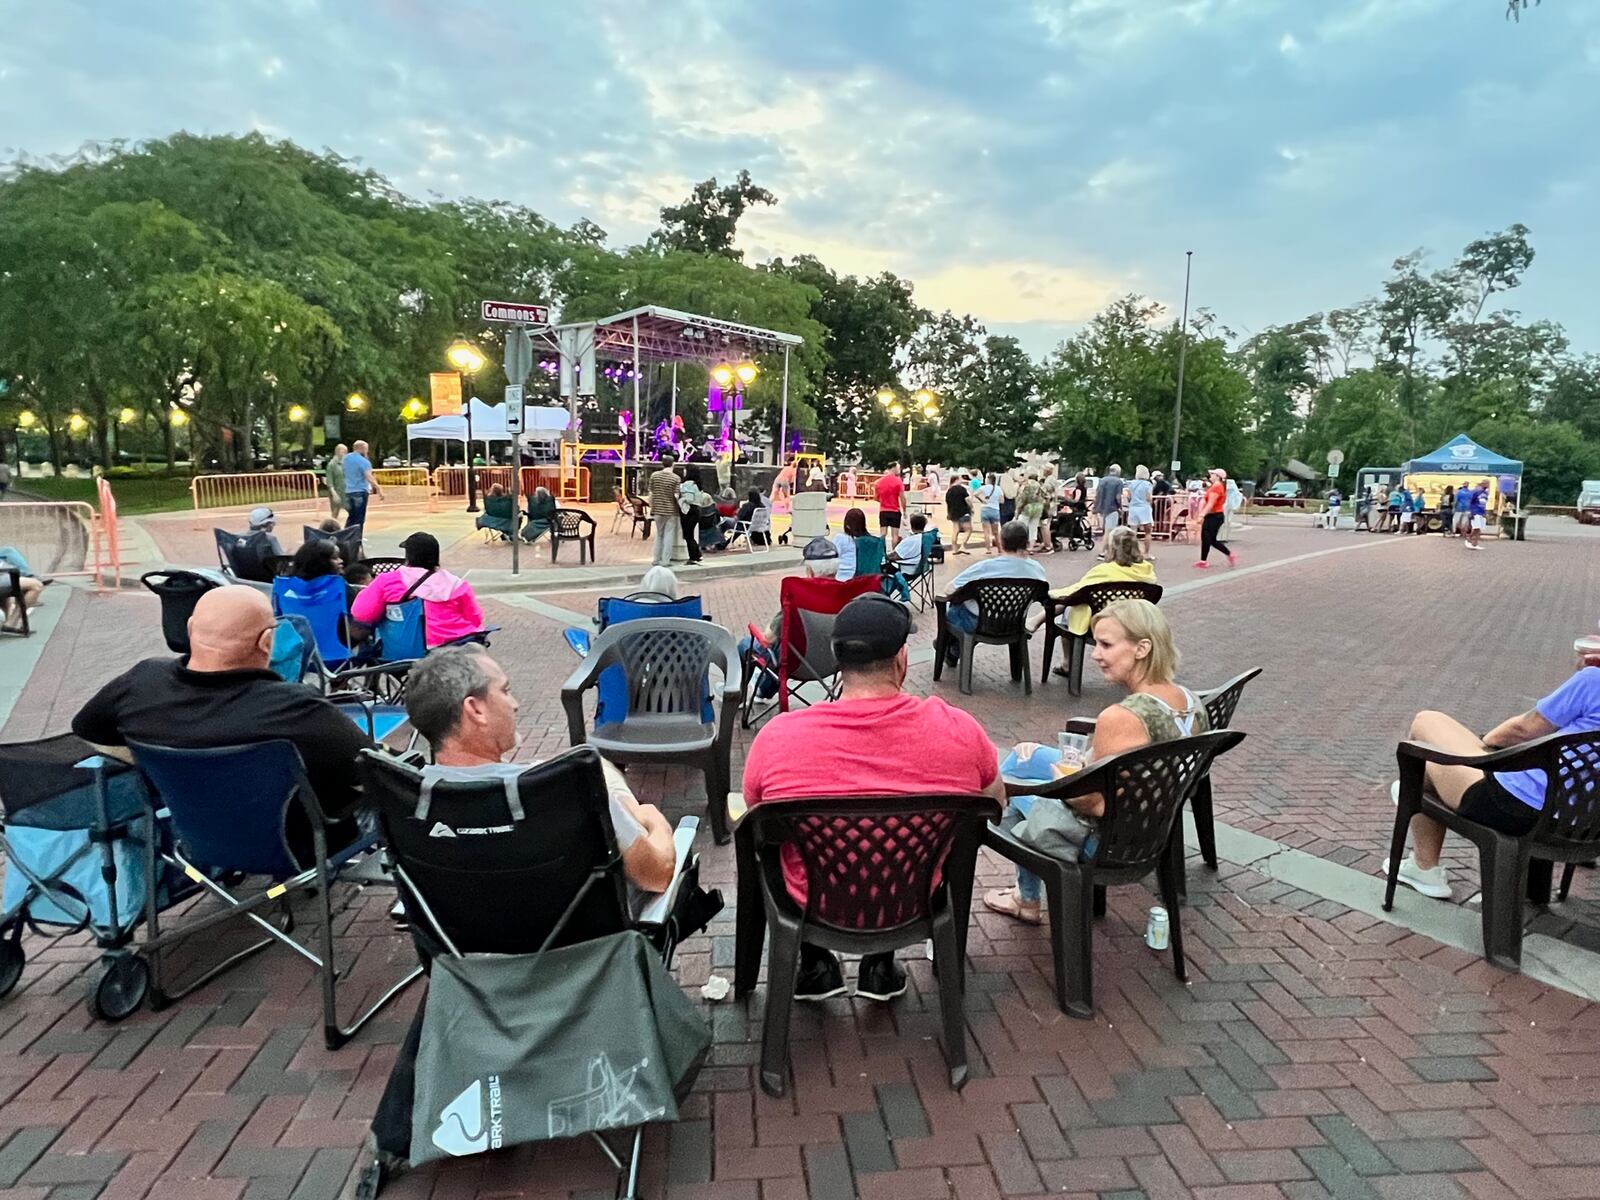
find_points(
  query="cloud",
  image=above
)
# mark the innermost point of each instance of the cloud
(1017, 291)
(1288, 45)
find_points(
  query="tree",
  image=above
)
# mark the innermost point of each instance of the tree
(1358, 413)
(868, 326)
(1414, 305)
(1573, 396)
(706, 222)
(1277, 362)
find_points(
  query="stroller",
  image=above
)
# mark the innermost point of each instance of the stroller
(1071, 524)
(74, 841)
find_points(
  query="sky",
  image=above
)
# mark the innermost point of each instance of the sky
(1022, 160)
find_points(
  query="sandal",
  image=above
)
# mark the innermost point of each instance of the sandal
(1006, 901)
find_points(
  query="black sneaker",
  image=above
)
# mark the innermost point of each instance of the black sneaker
(819, 980)
(880, 979)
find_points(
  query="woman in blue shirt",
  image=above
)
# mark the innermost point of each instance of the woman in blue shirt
(1419, 509)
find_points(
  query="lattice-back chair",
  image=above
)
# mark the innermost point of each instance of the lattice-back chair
(804, 650)
(1002, 621)
(1144, 790)
(1096, 596)
(665, 661)
(380, 565)
(572, 525)
(881, 872)
(1567, 830)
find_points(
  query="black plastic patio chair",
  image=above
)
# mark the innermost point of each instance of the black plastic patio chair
(1144, 791)
(572, 525)
(11, 590)
(1567, 831)
(1002, 621)
(882, 872)
(665, 661)
(1220, 703)
(1096, 596)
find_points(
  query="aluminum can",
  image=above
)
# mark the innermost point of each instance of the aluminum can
(1158, 930)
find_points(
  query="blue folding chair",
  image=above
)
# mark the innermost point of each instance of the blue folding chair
(229, 808)
(324, 607)
(612, 702)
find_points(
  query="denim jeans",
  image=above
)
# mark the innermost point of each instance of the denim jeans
(355, 505)
(1029, 885)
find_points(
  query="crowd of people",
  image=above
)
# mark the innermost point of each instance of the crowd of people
(1456, 511)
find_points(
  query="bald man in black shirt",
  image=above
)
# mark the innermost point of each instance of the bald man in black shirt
(223, 694)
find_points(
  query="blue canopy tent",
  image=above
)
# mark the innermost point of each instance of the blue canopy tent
(1462, 457)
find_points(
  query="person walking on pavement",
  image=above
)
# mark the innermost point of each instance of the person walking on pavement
(333, 476)
(359, 485)
(1108, 502)
(1213, 509)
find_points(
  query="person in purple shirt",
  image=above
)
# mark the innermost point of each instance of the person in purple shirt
(1509, 801)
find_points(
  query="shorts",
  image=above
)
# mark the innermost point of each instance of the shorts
(1405, 518)
(1489, 804)
(1462, 521)
(991, 516)
(963, 524)
(1478, 523)
(889, 520)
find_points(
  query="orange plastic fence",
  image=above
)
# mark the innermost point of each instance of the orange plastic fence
(109, 538)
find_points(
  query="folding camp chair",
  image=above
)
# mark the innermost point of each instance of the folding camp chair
(348, 540)
(229, 809)
(179, 591)
(325, 612)
(243, 556)
(804, 653)
(921, 581)
(870, 552)
(541, 847)
(665, 662)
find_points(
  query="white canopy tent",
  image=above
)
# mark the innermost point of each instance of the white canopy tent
(539, 422)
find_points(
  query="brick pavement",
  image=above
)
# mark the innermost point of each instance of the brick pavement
(1315, 1053)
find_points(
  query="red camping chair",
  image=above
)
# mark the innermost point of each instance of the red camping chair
(804, 653)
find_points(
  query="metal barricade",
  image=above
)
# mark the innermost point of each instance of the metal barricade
(404, 484)
(279, 489)
(57, 537)
(452, 481)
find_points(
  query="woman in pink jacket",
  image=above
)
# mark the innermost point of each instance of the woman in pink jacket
(450, 610)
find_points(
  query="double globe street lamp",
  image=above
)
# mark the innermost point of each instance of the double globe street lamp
(922, 405)
(741, 377)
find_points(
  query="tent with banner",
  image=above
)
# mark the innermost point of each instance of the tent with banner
(540, 423)
(1462, 460)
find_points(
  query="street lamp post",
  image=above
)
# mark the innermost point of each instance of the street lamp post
(468, 361)
(739, 377)
(924, 406)
(1183, 353)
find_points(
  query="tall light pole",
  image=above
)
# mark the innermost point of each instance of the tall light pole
(468, 361)
(740, 377)
(1183, 353)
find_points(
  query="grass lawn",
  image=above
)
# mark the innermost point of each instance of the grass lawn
(137, 494)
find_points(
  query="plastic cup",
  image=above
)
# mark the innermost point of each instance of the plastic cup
(1074, 752)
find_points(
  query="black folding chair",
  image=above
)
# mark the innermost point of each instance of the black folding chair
(498, 867)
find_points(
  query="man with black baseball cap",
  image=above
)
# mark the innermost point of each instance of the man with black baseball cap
(874, 740)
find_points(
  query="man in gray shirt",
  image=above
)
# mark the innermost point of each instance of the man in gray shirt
(1108, 500)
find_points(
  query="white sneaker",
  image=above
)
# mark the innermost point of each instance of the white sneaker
(1430, 883)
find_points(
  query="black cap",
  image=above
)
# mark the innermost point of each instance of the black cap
(422, 549)
(870, 629)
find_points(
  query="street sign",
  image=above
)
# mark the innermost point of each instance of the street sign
(519, 354)
(445, 389)
(330, 426)
(1335, 457)
(1176, 466)
(510, 313)
(514, 408)
(1333, 470)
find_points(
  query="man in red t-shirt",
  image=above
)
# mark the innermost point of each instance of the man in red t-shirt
(838, 749)
(890, 487)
